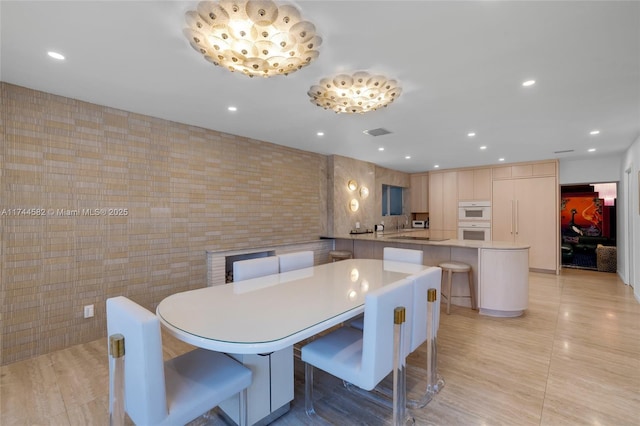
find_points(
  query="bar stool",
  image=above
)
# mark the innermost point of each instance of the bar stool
(451, 267)
(340, 255)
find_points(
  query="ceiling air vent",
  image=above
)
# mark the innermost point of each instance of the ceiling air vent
(563, 152)
(377, 132)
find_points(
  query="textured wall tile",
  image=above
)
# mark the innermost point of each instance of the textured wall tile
(132, 204)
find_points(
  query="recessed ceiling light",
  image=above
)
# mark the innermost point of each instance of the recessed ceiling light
(471, 134)
(407, 157)
(436, 166)
(381, 149)
(483, 147)
(529, 83)
(594, 132)
(500, 159)
(232, 109)
(55, 55)
(320, 133)
(592, 150)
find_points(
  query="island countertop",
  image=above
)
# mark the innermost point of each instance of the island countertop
(418, 237)
(500, 269)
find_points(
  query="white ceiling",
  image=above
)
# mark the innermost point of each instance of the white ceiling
(460, 64)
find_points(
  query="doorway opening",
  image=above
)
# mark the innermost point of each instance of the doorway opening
(588, 226)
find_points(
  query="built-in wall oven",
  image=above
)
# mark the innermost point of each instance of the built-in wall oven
(474, 220)
(474, 210)
(476, 231)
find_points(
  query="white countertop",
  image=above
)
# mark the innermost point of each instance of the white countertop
(396, 237)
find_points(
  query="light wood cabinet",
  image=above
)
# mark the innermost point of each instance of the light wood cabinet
(525, 211)
(544, 168)
(443, 203)
(420, 193)
(465, 185)
(450, 202)
(474, 185)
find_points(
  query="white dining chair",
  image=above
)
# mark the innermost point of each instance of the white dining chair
(422, 282)
(421, 324)
(297, 260)
(420, 321)
(360, 357)
(396, 255)
(402, 255)
(174, 392)
(253, 268)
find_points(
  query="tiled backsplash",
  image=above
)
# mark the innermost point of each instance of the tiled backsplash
(98, 202)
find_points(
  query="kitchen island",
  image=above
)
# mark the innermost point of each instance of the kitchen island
(500, 269)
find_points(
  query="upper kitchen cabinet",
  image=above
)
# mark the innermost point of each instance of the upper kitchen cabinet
(545, 168)
(420, 193)
(474, 185)
(443, 204)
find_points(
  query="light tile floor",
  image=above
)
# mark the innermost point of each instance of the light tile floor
(572, 359)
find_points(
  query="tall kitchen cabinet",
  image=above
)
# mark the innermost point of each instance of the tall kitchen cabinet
(443, 204)
(419, 192)
(525, 210)
(474, 185)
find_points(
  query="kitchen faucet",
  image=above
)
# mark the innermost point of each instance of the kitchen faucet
(406, 221)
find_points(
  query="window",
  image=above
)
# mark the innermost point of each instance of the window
(391, 200)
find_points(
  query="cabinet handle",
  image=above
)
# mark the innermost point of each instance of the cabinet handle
(511, 223)
(517, 217)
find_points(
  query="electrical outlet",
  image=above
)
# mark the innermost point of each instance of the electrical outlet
(88, 311)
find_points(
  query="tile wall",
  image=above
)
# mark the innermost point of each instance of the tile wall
(97, 202)
(343, 169)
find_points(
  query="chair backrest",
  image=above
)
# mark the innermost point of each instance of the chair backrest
(297, 260)
(144, 383)
(253, 268)
(422, 282)
(402, 255)
(377, 344)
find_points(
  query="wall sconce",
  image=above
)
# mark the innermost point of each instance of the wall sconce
(352, 185)
(364, 192)
(354, 205)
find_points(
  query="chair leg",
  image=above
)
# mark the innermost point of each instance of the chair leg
(449, 277)
(472, 293)
(242, 421)
(308, 389)
(116, 380)
(400, 417)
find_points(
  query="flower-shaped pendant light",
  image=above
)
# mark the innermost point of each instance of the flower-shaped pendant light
(257, 38)
(354, 94)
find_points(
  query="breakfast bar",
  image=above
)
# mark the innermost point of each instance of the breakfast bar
(500, 269)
